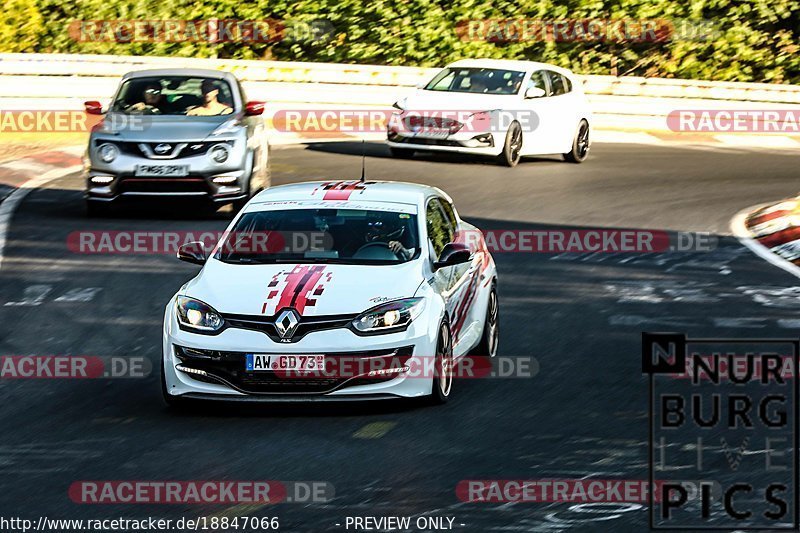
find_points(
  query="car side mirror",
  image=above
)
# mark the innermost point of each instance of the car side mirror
(193, 252)
(252, 109)
(93, 107)
(534, 92)
(454, 253)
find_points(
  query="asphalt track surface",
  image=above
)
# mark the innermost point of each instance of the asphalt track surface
(581, 317)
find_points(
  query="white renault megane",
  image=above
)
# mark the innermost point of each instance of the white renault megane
(332, 291)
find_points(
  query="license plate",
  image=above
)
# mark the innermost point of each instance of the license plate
(432, 133)
(162, 170)
(257, 362)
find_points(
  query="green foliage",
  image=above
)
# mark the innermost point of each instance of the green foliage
(752, 40)
(20, 26)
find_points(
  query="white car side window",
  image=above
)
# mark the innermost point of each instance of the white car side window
(537, 80)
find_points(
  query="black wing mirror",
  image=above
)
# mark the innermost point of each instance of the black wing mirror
(193, 252)
(454, 253)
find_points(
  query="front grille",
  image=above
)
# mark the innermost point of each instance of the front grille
(418, 140)
(419, 121)
(229, 368)
(305, 326)
(165, 185)
(132, 148)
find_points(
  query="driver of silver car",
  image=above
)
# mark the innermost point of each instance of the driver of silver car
(151, 101)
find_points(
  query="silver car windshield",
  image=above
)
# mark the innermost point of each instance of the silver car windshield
(348, 236)
(477, 81)
(174, 95)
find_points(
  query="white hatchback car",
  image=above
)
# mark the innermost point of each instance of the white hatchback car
(499, 108)
(346, 290)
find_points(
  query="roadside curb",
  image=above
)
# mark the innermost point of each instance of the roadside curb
(768, 230)
(14, 173)
(20, 177)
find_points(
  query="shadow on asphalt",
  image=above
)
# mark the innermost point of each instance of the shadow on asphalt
(164, 209)
(313, 409)
(380, 150)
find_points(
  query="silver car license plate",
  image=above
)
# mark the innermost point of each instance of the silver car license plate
(162, 170)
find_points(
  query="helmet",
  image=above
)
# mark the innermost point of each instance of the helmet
(384, 229)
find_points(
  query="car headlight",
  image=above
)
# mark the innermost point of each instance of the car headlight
(219, 153)
(107, 152)
(196, 315)
(389, 317)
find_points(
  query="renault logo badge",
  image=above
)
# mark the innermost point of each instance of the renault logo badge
(286, 323)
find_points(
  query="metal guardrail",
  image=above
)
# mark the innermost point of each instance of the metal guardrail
(63, 81)
(83, 65)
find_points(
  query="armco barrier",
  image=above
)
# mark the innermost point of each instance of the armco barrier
(63, 81)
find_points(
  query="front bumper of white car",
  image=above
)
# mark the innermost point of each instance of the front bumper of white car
(213, 366)
(487, 143)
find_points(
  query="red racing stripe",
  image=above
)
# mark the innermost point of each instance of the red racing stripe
(302, 298)
(292, 280)
(341, 190)
(464, 306)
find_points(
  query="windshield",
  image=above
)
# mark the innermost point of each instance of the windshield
(174, 95)
(348, 236)
(477, 80)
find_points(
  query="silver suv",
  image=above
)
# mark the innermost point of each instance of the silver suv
(177, 133)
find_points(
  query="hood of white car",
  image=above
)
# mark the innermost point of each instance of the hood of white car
(311, 289)
(423, 100)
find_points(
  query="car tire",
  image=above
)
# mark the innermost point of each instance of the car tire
(580, 144)
(512, 147)
(401, 153)
(491, 331)
(443, 377)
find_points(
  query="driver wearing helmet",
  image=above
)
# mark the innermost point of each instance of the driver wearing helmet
(151, 101)
(386, 231)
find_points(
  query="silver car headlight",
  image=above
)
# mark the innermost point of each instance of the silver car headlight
(198, 316)
(388, 317)
(107, 152)
(219, 153)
